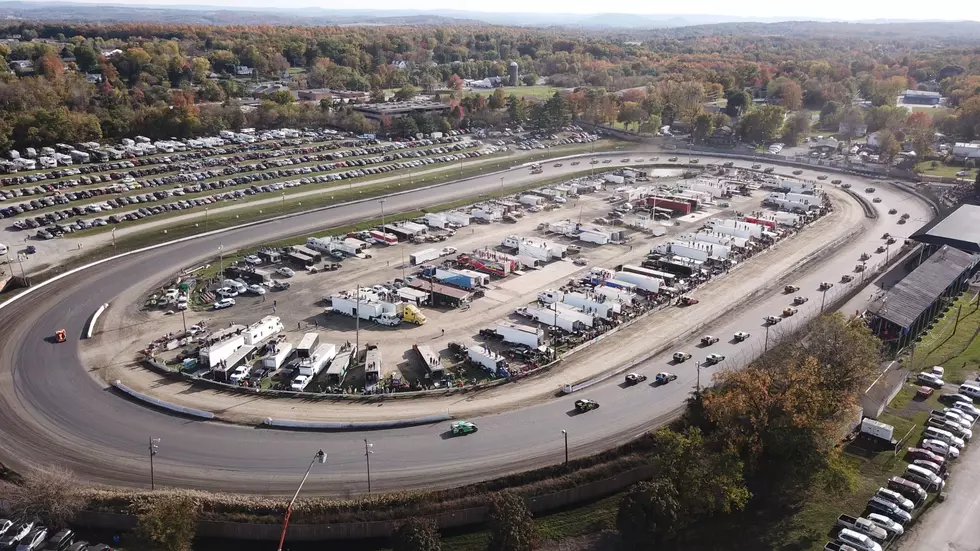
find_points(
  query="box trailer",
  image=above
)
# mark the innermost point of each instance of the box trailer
(264, 329)
(431, 361)
(488, 360)
(531, 200)
(365, 308)
(383, 237)
(593, 304)
(373, 373)
(520, 334)
(598, 238)
(458, 218)
(218, 352)
(423, 256)
(337, 371)
(312, 365)
(614, 179)
(551, 317)
(309, 343)
(279, 355)
(435, 220)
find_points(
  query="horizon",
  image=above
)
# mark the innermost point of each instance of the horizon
(855, 13)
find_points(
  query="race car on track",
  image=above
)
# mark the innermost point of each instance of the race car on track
(790, 289)
(681, 356)
(686, 301)
(708, 340)
(876, 200)
(60, 335)
(463, 427)
(585, 405)
(771, 320)
(800, 300)
(635, 378)
(664, 378)
(713, 359)
(847, 278)
(741, 336)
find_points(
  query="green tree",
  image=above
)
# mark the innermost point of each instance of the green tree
(497, 99)
(281, 97)
(167, 522)
(406, 93)
(888, 146)
(632, 113)
(416, 534)
(529, 79)
(797, 128)
(738, 102)
(406, 126)
(887, 118)
(86, 58)
(830, 114)
(377, 96)
(703, 126)
(511, 525)
(651, 125)
(763, 124)
(649, 514)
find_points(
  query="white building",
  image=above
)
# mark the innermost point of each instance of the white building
(965, 151)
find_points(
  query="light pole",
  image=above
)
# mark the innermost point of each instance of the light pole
(824, 299)
(697, 384)
(367, 458)
(113, 232)
(221, 261)
(565, 434)
(766, 347)
(205, 219)
(501, 185)
(154, 444)
(284, 202)
(318, 456)
(382, 201)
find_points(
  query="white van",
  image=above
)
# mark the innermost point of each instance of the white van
(944, 436)
(858, 540)
(236, 285)
(924, 477)
(973, 391)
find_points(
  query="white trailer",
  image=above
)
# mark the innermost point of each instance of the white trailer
(647, 283)
(423, 256)
(321, 357)
(549, 296)
(590, 236)
(367, 308)
(577, 314)
(611, 293)
(458, 218)
(262, 330)
(435, 220)
(612, 178)
(595, 304)
(487, 214)
(276, 360)
(751, 229)
(520, 334)
(551, 317)
(433, 364)
(220, 351)
(373, 373)
(531, 200)
(487, 359)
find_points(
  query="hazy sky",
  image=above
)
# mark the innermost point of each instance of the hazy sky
(847, 10)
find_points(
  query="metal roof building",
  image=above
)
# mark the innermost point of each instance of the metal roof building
(905, 309)
(960, 229)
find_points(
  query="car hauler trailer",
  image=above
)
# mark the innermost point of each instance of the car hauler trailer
(337, 371)
(646, 283)
(520, 334)
(423, 256)
(313, 364)
(431, 361)
(488, 360)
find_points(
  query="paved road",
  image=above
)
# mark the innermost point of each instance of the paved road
(52, 410)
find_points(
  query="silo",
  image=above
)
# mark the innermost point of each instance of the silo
(514, 73)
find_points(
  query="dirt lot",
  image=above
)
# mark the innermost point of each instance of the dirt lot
(301, 307)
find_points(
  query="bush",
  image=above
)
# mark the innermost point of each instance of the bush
(167, 522)
(511, 525)
(50, 494)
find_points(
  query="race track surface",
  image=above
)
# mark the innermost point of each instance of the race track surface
(53, 411)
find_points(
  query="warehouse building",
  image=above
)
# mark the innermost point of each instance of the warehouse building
(921, 97)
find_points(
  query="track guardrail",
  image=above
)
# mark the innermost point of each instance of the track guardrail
(201, 414)
(90, 330)
(355, 426)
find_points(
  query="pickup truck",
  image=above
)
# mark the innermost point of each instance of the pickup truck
(862, 525)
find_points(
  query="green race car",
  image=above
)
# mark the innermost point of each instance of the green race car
(463, 427)
(583, 406)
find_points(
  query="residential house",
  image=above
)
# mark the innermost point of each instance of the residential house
(722, 137)
(921, 97)
(244, 71)
(859, 130)
(22, 66)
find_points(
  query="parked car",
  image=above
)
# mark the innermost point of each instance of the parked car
(60, 540)
(896, 498)
(256, 289)
(930, 379)
(286, 272)
(889, 509)
(253, 259)
(858, 540)
(34, 539)
(5, 526)
(893, 528)
(224, 303)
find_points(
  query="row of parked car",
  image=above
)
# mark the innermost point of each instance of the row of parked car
(184, 163)
(29, 536)
(131, 184)
(892, 507)
(142, 212)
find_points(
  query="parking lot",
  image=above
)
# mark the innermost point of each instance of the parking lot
(454, 331)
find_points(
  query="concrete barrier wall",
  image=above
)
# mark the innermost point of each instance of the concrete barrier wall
(90, 330)
(200, 414)
(473, 516)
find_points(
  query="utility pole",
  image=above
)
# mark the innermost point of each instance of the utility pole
(113, 232)
(697, 385)
(766, 347)
(367, 458)
(154, 444)
(205, 219)
(322, 458)
(565, 434)
(284, 202)
(183, 318)
(382, 201)
(357, 325)
(823, 300)
(221, 260)
(957, 322)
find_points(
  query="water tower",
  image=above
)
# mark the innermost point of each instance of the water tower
(513, 72)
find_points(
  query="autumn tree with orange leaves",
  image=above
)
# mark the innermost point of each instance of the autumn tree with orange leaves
(784, 414)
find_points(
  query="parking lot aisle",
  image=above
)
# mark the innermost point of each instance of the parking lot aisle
(952, 525)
